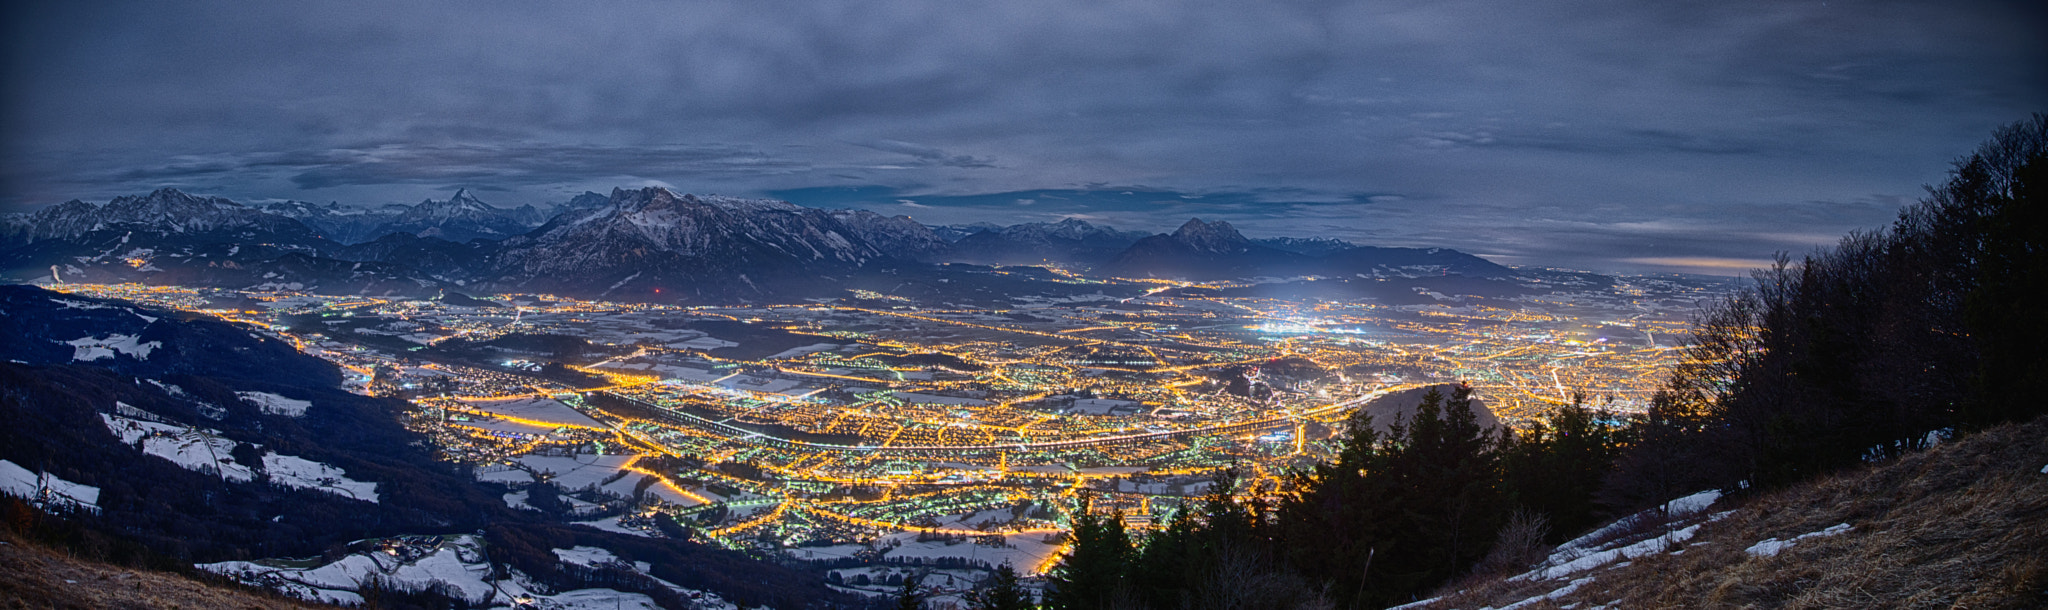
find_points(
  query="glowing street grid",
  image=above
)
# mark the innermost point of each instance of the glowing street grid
(871, 427)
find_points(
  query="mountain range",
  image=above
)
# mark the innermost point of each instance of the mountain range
(647, 244)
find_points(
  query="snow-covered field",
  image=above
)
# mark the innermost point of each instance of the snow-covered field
(457, 562)
(43, 488)
(89, 348)
(800, 351)
(536, 409)
(579, 472)
(203, 450)
(277, 405)
(1024, 552)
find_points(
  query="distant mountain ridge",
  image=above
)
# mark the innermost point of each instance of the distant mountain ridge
(647, 244)
(649, 240)
(463, 217)
(1201, 250)
(1070, 240)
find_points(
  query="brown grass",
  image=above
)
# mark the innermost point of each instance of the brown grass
(36, 577)
(1962, 525)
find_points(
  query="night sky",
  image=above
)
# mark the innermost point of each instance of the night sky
(1612, 136)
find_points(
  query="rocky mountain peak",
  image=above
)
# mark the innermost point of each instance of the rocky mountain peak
(1217, 237)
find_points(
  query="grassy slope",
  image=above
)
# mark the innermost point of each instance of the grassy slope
(1962, 525)
(36, 577)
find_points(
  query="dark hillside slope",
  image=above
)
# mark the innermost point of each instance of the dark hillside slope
(38, 577)
(1961, 525)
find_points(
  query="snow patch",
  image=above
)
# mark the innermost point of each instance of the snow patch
(70, 304)
(276, 405)
(1553, 569)
(87, 349)
(47, 490)
(1770, 547)
(1560, 592)
(300, 473)
(1675, 509)
(203, 450)
(587, 556)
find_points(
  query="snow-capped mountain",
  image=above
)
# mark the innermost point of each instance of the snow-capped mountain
(651, 241)
(165, 211)
(1305, 246)
(171, 237)
(461, 218)
(954, 233)
(897, 235)
(1201, 250)
(1067, 241)
(1215, 250)
(334, 221)
(1412, 262)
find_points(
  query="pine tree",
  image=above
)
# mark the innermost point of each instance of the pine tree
(1092, 575)
(999, 592)
(911, 596)
(1556, 465)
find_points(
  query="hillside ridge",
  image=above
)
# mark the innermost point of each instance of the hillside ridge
(1958, 525)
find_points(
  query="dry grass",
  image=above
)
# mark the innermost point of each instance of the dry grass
(1962, 525)
(35, 577)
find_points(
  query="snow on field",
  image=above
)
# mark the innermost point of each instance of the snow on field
(195, 449)
(762, 384)
(46, 489)
(611, 524)
(507, 426)
(203, 450)
(88, 348)
(703, 343)
(70, 304)
(579, 472)
(587, 556)
(602, 599)
(913, 397)
(276, 405)
(799, 351)
(1025, 552)
(672, 495)
(456, 562)
(1772, 546)
(535, 409)
(971, 520)
(507, 476)
(301, 473)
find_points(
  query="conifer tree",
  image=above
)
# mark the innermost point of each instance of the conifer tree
(912, 596)
(1092, 575)
(999, 592)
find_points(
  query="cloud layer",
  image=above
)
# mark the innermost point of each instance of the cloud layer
(1595, 134)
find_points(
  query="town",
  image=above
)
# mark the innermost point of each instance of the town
(874, 428)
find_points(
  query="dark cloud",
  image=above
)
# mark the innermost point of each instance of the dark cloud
(1532, 130)
(928, 154)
